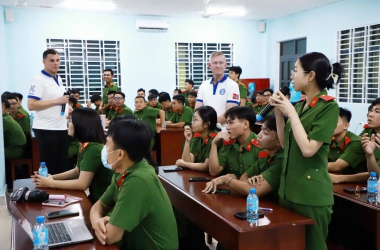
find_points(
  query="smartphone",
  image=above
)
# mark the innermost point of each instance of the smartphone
(243, 215)
(62, 213)
(352, 190)
(54, 203)
(169, 169)
(199, 179)
(223, 191)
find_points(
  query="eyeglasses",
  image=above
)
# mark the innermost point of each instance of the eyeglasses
(118, 98)
(13, 103)
(293, 72)
(268, 95)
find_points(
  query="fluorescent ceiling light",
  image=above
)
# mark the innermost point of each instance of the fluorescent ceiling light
(229, 12)
(89, 5)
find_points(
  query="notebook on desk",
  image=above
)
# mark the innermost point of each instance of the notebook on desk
(61, 233)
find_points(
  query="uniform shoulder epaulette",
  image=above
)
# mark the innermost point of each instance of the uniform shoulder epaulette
(228, 143)
(302, 99)
(255, 105)
(347, 140)
(264, 103)
(240, 83)
(255, 142)
(366, 126)
(213, 134)
(197, 135)
(263, 154)
(327, 98)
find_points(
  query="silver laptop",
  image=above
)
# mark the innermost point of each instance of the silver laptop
(60, 233)
(19, 183)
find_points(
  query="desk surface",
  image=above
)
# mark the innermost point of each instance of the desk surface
(214, 213)
(32, 209)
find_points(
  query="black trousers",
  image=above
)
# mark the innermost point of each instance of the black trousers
(54, 149)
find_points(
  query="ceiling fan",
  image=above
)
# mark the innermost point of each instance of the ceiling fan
(207, 14)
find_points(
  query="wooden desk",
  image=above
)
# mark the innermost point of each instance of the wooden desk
(170, 149)
(20, 241)
(358, 213)
(214, 213)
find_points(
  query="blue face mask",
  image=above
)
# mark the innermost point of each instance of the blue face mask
(104, 155)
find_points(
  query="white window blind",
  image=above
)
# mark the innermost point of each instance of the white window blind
(191, 61)
(359, 53)
(83, 62)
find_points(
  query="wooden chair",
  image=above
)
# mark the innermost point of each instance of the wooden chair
(25, 160)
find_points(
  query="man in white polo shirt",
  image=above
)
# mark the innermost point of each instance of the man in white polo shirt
(219, 92)
(46, 97)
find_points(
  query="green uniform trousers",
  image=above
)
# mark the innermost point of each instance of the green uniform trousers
(316, 234)
(14, 152)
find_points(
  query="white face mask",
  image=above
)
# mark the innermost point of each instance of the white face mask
(104, 155)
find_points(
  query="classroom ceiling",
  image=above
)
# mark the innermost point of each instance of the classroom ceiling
(255, 9)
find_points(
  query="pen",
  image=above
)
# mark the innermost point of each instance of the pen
(266, 209)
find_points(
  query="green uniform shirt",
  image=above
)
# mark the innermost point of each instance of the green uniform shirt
(201, 148)
(192, 106)
(305, 180)
(112, 87)
(78, 105)
(23, 120)
(257, 107)
(89, 159)
(23, 111)
(184, 115)
(242, 90)
(142, 208)
(148, 115)
(235, 162)
(14, 138)
(159, 106)
(186, 95)
(249, 104)
(269, 166)
(73, 147)
(109, 112)
(350, 150)
(370, 132)
(123, 110)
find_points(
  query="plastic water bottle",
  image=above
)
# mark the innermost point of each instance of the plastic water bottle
(252, 206)
(40, 234)
(372, 188)
(43, 171)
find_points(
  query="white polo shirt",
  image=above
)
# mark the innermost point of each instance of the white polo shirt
(45, 87)
(219, 94)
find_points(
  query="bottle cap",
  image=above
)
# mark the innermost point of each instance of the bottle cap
(43, 164)
(373, 174)
(252, 191)
(40, 219)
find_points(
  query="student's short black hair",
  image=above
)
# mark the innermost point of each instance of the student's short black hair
(134, 137)
(95, 97)
(178, 90)
(74, 91)
(5, 93)
(87, 125)
(193, 93)
(345, 114)
(191, 82)
(237, 70)
(370, 107)
(141, 89)
(49, 52)
(152, 96)
(121, 117)
(208, 115)
(120, 93)
(375, 102)
(110, 70)
(179, 98)
(270, 121)
(164, 97)
(18, 95)
(139, 96)
(242, 113)
(153, 91)
(268, 89)
(73, 100)
(111, 92)
(10, 96)
(5, 101)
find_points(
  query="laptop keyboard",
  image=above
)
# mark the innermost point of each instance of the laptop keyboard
(58, 233)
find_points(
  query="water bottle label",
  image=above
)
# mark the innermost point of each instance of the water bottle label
(41, 236)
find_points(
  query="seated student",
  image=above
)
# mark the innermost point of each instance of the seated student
(153, 92)
(135, 210)
(346, 154)
(248, 103)
(76, 94)
(166, 104)
(73, 102)
(197, 146)
(20, 108)
(90, 173)
(96, 99)
(21, 118)
(120, 108)
(177, 91)
(153, 103)
(141, 92)
(148, 115)
(240, 149)
(192, 98)
(182, 115)
(366, 127)
(265, 173)
(234, 73)
(260, 102)
(108, 109)
(189, 87)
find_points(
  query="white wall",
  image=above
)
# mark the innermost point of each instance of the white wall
(320, 27)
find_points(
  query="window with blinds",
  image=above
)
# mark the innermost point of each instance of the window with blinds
(359, 53)
(83, 62)
(191, 61)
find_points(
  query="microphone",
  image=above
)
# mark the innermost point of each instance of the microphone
(64, 105)
(285, 91)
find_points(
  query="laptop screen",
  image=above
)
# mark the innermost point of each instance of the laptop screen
(19, 216)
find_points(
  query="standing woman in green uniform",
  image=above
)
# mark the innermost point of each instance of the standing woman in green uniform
(89, 172)
(305, 185)
(197, 146)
